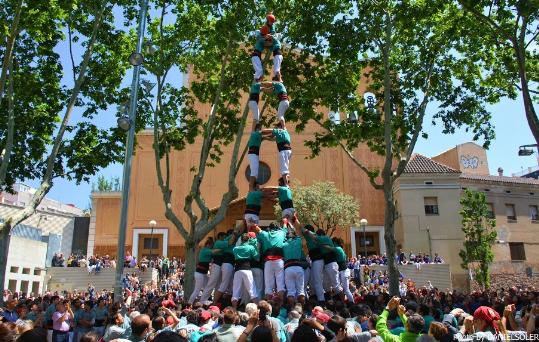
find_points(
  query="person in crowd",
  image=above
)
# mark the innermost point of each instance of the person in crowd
(61, 322)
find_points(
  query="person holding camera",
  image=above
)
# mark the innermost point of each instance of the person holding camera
(60, 322)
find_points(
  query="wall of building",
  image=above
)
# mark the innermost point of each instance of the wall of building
(146, 203)
(468, 158)
(25, 271)
(49, 223)
(523, 229)
(418, 232)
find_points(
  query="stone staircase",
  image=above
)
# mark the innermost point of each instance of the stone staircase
(438, 274)
(75, 278)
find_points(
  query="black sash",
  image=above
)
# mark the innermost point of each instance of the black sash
(257, 264)
(254, 150)
(254, 97)
(292, 262)
(242, 265)
(342, 266)
(218, 260)
(315, 254)
(284, 146)
(228, 258)
(256, 53)
(329, 258)
(274, 251)
(286, 204)
(252, 209)
(203, 267)
(282, 96)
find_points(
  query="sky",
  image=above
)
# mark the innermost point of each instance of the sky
(508, 118)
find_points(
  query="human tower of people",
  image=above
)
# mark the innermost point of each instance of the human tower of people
(255, 262)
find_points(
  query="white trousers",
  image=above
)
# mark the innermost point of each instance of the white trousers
(331, 271)
(227, 274)
(200, 281)
(257, 65)
(253, 106)
(277, 61)
(258, 276)
(254, 162)
(317, 277)
(273, 275)
(213, 281)
(284, 161)
(344, 278)
(283, 106)
(243, 278)
(294, 281)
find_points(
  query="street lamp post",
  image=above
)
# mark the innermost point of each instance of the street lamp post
(152, 225)
(136, 60)
(363, 223)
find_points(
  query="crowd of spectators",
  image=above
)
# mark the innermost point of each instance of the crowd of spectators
(159, 312)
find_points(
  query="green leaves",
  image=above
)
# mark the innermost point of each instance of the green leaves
(323, 206)
(480, 235)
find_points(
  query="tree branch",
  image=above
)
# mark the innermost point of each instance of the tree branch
(487, 20)
(422, 109)
(10, 127)
(71, 50)
(8, 56)
(194, 194)
(46, 182)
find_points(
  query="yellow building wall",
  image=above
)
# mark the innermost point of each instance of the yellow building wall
(146, 202)
(418, 232)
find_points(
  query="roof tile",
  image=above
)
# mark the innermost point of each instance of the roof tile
(421, 164)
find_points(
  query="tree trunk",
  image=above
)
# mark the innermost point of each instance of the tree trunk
(4, 251)
(531, 115)
(191, 249)
(389, 237)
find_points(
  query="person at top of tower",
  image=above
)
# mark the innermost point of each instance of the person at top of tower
(282, 138)
(266, 38)
(277, 88)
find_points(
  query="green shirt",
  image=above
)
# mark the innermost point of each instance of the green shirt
(281, 135)
(271, 239)
(341, 256)
(204, 255)
(255, 140)
(325, 240)
(255, 88)
(246, 251)
(311, 241)
(284, 193)
(292, 249)
(254, 198)
(278, 88)
(224, 245)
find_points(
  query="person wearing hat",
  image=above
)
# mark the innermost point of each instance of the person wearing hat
(243, 277)
(202, 268)
(266, 37)
(293, 270)
(482, 326)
